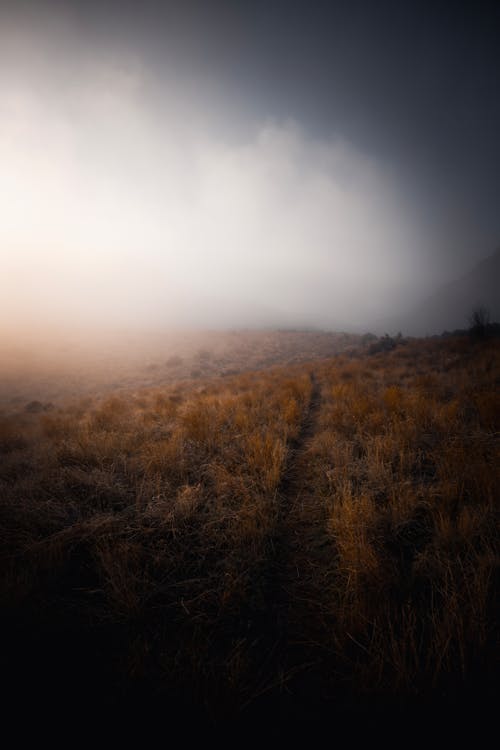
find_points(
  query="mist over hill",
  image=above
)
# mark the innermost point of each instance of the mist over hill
(450, 305)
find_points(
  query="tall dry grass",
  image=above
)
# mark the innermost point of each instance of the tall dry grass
(144, 525)
(406, 463)
(155, 507)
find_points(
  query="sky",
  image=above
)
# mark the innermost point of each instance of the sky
(225, 164)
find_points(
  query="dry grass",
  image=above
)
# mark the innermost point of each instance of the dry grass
(149, 520)
(406, 463)
(156, 506)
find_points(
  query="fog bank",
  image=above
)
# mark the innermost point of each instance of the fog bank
(128, 202)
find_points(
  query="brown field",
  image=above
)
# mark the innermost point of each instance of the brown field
(296, 544)
(56, 367)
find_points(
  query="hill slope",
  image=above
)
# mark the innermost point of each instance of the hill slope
(304, 544)
(449, 307)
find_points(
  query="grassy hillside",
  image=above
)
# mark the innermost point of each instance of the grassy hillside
(291, 543)
(54, 367)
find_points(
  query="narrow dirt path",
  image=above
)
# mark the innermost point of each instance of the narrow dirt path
(291, 482)
(286, 662)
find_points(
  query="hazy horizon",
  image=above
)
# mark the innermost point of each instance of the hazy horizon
(166, 169)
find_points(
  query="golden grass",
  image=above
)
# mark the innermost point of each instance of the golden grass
(160, 508)
(408, 474)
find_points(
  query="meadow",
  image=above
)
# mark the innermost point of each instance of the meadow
(286, 543)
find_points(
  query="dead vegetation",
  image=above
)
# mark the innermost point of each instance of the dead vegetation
(53, 370)
(139, 533)
(405, 466)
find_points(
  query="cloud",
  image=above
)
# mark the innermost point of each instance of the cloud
(125, 202)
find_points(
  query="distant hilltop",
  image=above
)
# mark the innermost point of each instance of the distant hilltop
(449, 307)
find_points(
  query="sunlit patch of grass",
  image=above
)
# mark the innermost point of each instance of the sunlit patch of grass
(264, 456)
(351, 522)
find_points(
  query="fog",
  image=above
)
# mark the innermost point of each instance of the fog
(128, 200)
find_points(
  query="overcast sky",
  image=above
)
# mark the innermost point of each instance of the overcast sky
(244, 163)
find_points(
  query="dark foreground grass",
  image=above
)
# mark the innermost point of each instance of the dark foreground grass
(266, 549)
